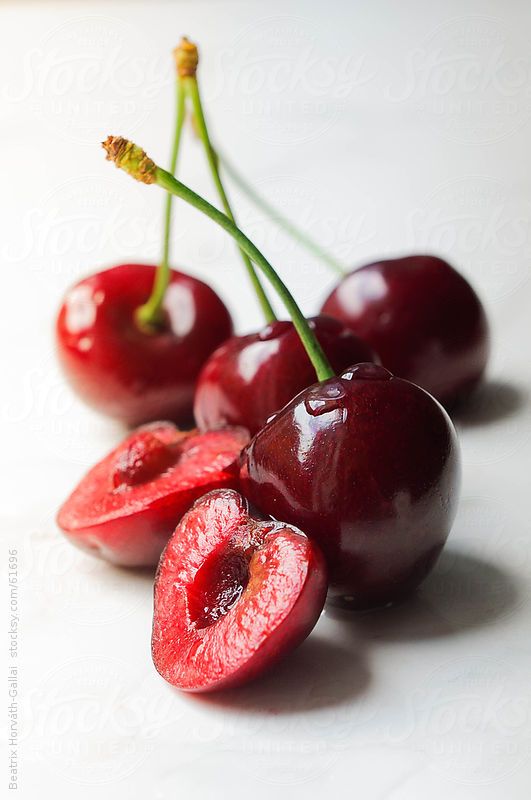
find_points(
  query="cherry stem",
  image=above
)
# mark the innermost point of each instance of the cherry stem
(149, 315)
(192, 90)
(296, 233)
(135, 162)
(315, 352)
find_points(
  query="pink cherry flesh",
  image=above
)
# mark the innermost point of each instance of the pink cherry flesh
(233, 595)
(126, 507)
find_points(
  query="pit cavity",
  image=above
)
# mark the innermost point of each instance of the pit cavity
(218, 586)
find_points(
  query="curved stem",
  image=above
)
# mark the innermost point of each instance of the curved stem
(150, 314)
(192, 90)
(309, 340)
(296, 233)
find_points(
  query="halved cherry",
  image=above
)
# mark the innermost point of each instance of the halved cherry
(233, 594)
(126, 507)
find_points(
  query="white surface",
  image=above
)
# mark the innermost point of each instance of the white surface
(382, 127)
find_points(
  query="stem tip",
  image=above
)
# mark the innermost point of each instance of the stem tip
(131, 158)
(186, 58)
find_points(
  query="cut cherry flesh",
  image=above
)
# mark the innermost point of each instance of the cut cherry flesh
(218, 586)
(233, 594)
(367, 465)
(422, 317)
(124, 371)
(249, 378)
(127, 506)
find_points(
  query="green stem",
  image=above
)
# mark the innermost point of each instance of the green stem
(300, 236)
(310, 342)
(192, 90)
(150, 314)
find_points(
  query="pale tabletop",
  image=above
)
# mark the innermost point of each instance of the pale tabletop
(382, 128)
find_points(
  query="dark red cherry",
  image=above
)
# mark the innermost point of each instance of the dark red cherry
(368, 465)
(127, 506)
(124, 371)
(249, 378)
(422, 317)
(233, 594)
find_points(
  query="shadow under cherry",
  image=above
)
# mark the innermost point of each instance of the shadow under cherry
(493, 401)
(463, 592)
(321, 673)
(331, 668)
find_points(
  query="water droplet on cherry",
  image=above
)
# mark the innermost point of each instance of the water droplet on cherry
(324, 397)
(367, 372)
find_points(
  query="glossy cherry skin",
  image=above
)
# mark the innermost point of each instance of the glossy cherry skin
(125, 372)
(422, 317)
(233, 594)
(368, 465)
(249, 378)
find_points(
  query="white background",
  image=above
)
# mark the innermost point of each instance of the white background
(382, 128)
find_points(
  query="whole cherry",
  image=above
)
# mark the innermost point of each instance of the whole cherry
(129, 370)
(367, 465)
(249, 378)
(132, 339)
(422, 317)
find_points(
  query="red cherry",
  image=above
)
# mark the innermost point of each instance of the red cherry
(232, 595)
(249, 378)
(124, 371)
(367, 465)
(127, 506)
(423, 319)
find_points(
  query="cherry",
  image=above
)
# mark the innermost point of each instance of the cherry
(423, 319)
(249, 378)
(126, 507)
(124, 369)
(233, 594)
(367, 465)
(132, 339)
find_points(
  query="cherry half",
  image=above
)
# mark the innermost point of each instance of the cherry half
(249, 378)
(125, 370)
(422, 317)
(126, 507)
(233, 594)
(367, 465)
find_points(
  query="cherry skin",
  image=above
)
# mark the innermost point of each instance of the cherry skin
(127, 506)
(233, 594)
(249, 378)
(124, 371)
(424, 320)
(367, 465)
